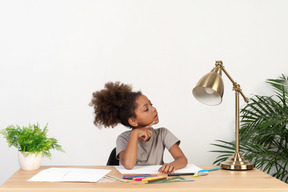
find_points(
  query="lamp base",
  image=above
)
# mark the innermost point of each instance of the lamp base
(238, 163)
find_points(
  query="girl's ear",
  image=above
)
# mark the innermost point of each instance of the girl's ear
(133, 122)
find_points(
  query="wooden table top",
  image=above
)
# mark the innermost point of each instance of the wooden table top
(221, 180)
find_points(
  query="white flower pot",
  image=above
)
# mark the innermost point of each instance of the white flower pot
(29, 161)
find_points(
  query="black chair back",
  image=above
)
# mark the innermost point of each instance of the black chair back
(112, 158)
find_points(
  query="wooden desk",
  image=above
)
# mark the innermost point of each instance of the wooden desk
(222, 180)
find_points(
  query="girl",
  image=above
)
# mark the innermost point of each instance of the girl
(142, 145)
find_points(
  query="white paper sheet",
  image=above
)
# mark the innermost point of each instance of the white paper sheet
(70, 175)
(153, 169)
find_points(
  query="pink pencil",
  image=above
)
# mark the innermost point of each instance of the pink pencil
(140, 178)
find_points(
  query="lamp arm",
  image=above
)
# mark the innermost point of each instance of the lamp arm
(236, 86)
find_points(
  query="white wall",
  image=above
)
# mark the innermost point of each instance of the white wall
(54, 54)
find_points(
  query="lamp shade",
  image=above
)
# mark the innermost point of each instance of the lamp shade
(210, 88)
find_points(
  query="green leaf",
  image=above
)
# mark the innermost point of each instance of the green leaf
(30, 139)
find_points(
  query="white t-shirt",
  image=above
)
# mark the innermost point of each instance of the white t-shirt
(150, 152)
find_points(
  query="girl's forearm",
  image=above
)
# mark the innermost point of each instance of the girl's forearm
(179, 162)
(129, 156)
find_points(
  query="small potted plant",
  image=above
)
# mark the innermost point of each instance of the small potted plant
(32, 144)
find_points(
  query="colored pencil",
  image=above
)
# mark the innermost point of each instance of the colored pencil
(148, 179)
(154, 180)
(140, 178)
(179, 174)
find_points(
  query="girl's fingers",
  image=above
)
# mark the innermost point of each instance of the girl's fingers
(172, 169)
(166, 168)
(149, 133)
(145, 133)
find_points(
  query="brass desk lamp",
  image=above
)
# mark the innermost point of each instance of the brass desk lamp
(209, 90)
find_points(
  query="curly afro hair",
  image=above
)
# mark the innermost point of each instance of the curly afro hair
(114, 104)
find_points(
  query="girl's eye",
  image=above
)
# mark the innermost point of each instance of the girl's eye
(146, 109)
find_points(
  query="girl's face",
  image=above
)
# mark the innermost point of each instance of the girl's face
(145, 112)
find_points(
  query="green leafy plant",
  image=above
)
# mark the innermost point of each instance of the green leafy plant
(263, 133)
(30, 139)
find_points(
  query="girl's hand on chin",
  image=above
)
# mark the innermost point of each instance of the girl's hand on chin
(144, 133)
